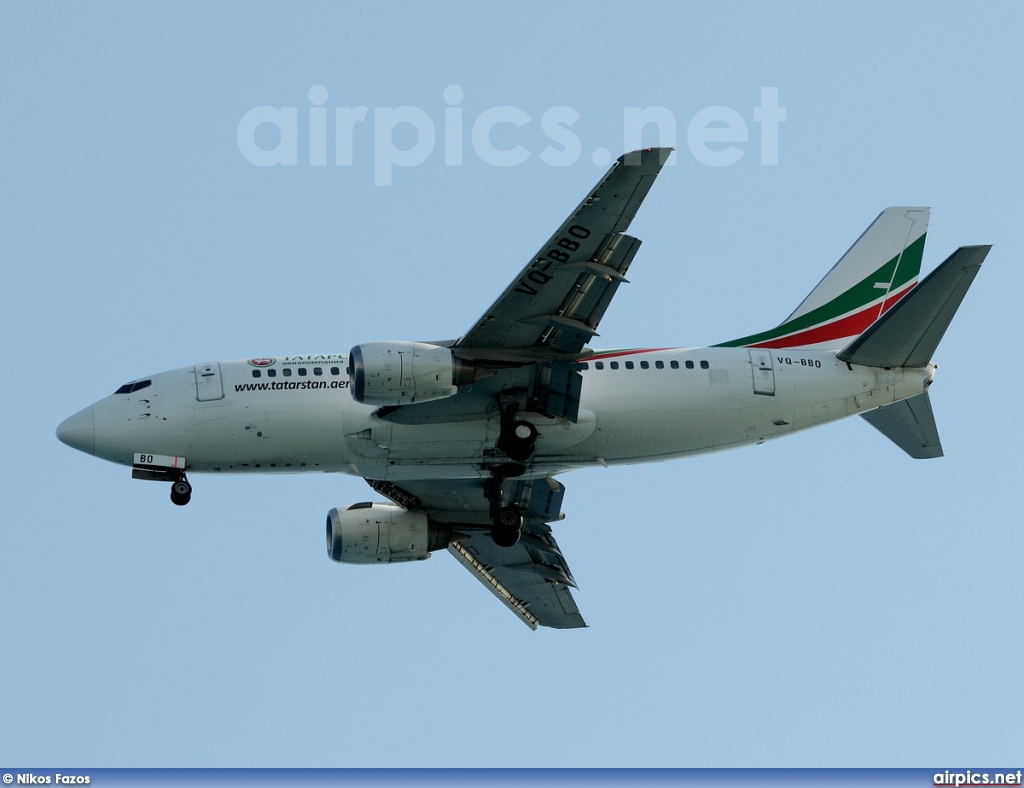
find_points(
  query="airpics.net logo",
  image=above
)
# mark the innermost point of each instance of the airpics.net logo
(408, 136)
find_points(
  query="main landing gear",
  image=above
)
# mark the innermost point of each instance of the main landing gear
(181, 491)
(517, 441)
(506, 521)
(518, 437)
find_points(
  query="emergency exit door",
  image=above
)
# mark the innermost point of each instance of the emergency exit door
(208, 383)
(764, 372)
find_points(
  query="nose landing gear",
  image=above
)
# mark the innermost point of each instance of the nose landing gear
(160, 468)
(181, 491)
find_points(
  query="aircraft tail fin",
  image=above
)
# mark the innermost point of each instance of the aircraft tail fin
(908, 334)
(910, 424)
(879, 269)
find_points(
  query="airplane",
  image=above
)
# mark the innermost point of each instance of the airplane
(465, 438)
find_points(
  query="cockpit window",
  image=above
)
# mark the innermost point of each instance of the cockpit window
(135, 385)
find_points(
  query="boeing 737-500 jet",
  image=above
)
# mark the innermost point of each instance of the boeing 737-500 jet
(466, 438)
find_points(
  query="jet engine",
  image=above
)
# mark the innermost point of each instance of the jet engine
(401, 373)
(382, 533)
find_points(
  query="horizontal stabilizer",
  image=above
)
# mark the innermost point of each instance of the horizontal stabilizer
(907, 335)
(910, 424)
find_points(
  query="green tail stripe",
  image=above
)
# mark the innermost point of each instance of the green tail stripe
(864, 292)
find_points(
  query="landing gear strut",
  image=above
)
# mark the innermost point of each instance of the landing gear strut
(181, 491)
(506, 521)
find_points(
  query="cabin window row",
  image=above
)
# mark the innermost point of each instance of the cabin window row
(644, 364)
(289, 371)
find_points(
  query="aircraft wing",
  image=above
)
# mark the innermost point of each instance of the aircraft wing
(529, 342)
(531, 578)
(554, 305)
(546, 316)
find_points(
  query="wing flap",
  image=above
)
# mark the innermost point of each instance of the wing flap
(532, 577)
(560, 296)
(533, 587)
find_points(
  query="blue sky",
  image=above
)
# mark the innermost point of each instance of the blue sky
(819, 601)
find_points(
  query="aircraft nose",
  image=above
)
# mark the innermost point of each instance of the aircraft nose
(79, 431)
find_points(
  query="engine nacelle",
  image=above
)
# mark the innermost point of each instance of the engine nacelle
(382, 533)
(401, 373)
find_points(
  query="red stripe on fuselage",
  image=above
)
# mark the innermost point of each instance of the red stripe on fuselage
(617, 353)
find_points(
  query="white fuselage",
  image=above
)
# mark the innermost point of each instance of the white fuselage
(637, 406)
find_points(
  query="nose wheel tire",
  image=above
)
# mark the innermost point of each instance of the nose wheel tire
(181, 492)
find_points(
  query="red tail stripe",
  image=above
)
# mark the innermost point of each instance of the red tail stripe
(848, 326)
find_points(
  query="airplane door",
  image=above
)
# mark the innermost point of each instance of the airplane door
(764, 372)
(208, 383)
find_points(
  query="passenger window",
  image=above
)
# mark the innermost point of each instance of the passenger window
(645, 365)
(613, 364)
(256, 373)
(674, 364)
(704, 365)
(271, 373)
(689, 364)
(659, 364)
(584, 365)
(302, 372)
(286, 372)
(335, 371)
(318, 370)
(629, 365)
(598, 365)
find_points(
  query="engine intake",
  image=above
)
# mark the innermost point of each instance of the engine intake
(401, 373)
(382, 533)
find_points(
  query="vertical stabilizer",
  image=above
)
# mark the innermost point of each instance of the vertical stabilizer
(875, 273)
